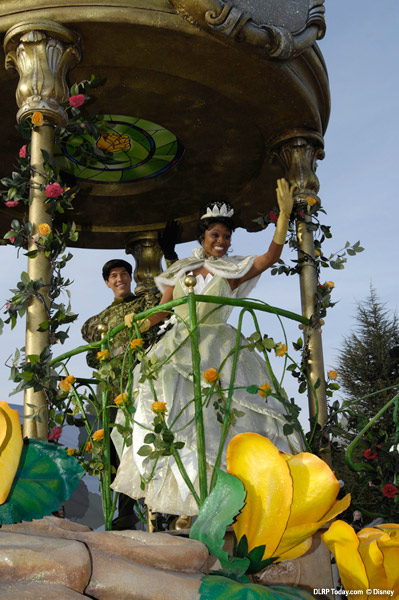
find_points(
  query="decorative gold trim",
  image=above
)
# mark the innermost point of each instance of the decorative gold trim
(224, 18)
(42, 52)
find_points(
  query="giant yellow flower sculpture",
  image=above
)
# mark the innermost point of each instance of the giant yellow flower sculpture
(10, 448)
(289, 497)
(367, 561)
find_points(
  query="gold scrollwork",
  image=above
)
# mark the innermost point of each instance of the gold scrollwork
(223, 17)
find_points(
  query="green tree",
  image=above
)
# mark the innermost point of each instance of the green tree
(369, 358)
(368, 363)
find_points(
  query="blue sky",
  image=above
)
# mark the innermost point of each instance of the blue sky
(358, 188)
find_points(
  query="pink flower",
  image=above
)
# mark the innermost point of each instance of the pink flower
(22, 151)
(272, 216)
(77, 100)
(8, 305)
(53, 190)
(55, 434)
(11, 203)
(12, 239)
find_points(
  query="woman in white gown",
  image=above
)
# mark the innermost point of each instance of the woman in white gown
(217, 275)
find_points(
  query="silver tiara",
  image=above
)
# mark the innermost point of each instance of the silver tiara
(215, 211)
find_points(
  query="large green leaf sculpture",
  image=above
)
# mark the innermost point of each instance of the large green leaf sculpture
(218, 511)
(217, 587)
(45, 478)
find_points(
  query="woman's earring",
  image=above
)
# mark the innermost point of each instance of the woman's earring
(230, 250)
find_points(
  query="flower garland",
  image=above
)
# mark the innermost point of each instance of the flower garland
(33, 370)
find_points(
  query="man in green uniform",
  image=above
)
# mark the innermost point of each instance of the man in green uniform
(117, 275)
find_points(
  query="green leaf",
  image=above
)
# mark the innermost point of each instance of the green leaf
(45, 478)
(217, 587)
(252, 389)
(218, 511)
(144, 451)
(33, 358)
(149, 438)
(268, 343)
(25, 278)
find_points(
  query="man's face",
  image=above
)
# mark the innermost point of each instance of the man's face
(119, 282)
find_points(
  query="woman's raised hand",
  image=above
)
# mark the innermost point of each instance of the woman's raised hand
(285, 196)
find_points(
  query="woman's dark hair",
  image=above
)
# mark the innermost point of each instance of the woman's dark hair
(204, 224)
(115, 264)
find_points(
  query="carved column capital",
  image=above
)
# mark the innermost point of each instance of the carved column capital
(298, 153)
(42, 51)
(147, 253)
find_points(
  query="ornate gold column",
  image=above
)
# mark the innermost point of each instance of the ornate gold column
(42, 52)
(147, 253)
(298, 153)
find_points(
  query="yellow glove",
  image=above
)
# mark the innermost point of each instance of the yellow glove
(145, 325)
(285, 200)
(129, 319)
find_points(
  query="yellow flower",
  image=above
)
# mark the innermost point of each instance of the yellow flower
(317, 252)
(71, 451)
(330, 284)
(89, 446)
(332, 374)
(103, 355)
(264, 390)
(37, 118)
(64, 385)
(70, 379)
(98, 435)
(159, 408)
(289, 496)
(280, 349)
(113, 142)
(43, 229)
(121, 399)
(211, 375)
(137, 343)
(11, 444)
(368, 560)
(311, 201)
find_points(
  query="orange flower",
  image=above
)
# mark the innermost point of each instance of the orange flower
(70, 379)
(137, 343)
(43, 229)
(37, 118)
(103, 355)
(280, 349)
(70, 451)
(330, 284)
(311, 201)
(89, 446)
(159, 408)
(264, 389)
(64, 385)
(121, 399)
(211, 375)
(98, 435)
(332, 374)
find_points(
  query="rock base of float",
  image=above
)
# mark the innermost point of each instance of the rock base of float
(56, 558)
